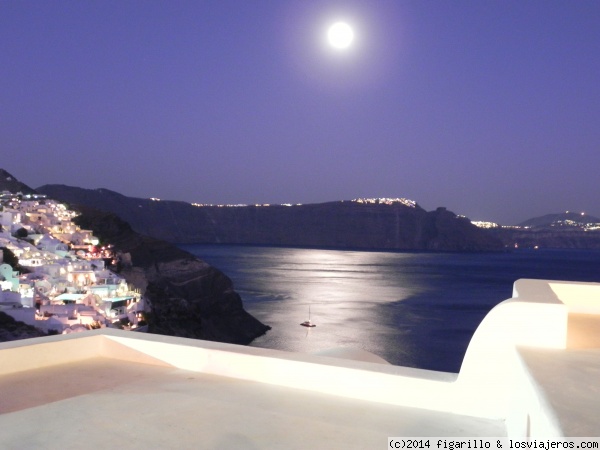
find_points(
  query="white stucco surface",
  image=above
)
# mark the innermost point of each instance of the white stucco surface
(531, 370)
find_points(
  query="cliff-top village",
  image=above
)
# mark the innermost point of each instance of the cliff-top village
(65, 284)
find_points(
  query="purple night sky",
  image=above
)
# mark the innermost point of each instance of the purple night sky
(490, 108)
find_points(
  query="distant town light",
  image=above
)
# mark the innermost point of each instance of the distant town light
(387, 201)
(483, 224)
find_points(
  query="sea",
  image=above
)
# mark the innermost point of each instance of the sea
(415, 309)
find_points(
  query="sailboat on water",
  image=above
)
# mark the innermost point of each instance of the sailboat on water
(308, 323)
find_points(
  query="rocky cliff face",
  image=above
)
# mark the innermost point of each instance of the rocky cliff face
(188, 297)
(340, 224)
(444, 231)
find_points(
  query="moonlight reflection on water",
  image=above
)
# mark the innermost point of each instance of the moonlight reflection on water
(412, 309)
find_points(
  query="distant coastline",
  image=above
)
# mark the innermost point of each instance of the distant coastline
(375, 224)
(384, 224)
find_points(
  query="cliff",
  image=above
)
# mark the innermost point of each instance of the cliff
(341, 224)
(187, 297)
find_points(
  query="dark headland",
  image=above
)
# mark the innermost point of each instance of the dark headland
(186, 297)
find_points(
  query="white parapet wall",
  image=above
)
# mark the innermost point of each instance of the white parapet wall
(352, 379)
(534, 317)
(494, 379)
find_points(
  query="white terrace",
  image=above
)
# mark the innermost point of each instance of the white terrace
(531, 369)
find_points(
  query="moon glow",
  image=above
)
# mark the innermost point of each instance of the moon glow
(340, 35)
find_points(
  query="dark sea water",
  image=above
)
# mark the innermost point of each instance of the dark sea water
(413, 309)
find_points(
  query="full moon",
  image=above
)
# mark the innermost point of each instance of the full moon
(340, 35)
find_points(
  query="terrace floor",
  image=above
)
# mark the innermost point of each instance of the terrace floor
(114, 403)
(569, 378)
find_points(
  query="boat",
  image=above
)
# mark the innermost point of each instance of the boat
(308, 323)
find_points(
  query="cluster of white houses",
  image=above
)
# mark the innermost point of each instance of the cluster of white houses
(66, 285)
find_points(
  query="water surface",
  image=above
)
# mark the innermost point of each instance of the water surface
(413, 309)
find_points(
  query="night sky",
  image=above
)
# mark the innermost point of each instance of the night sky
(489, 108)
